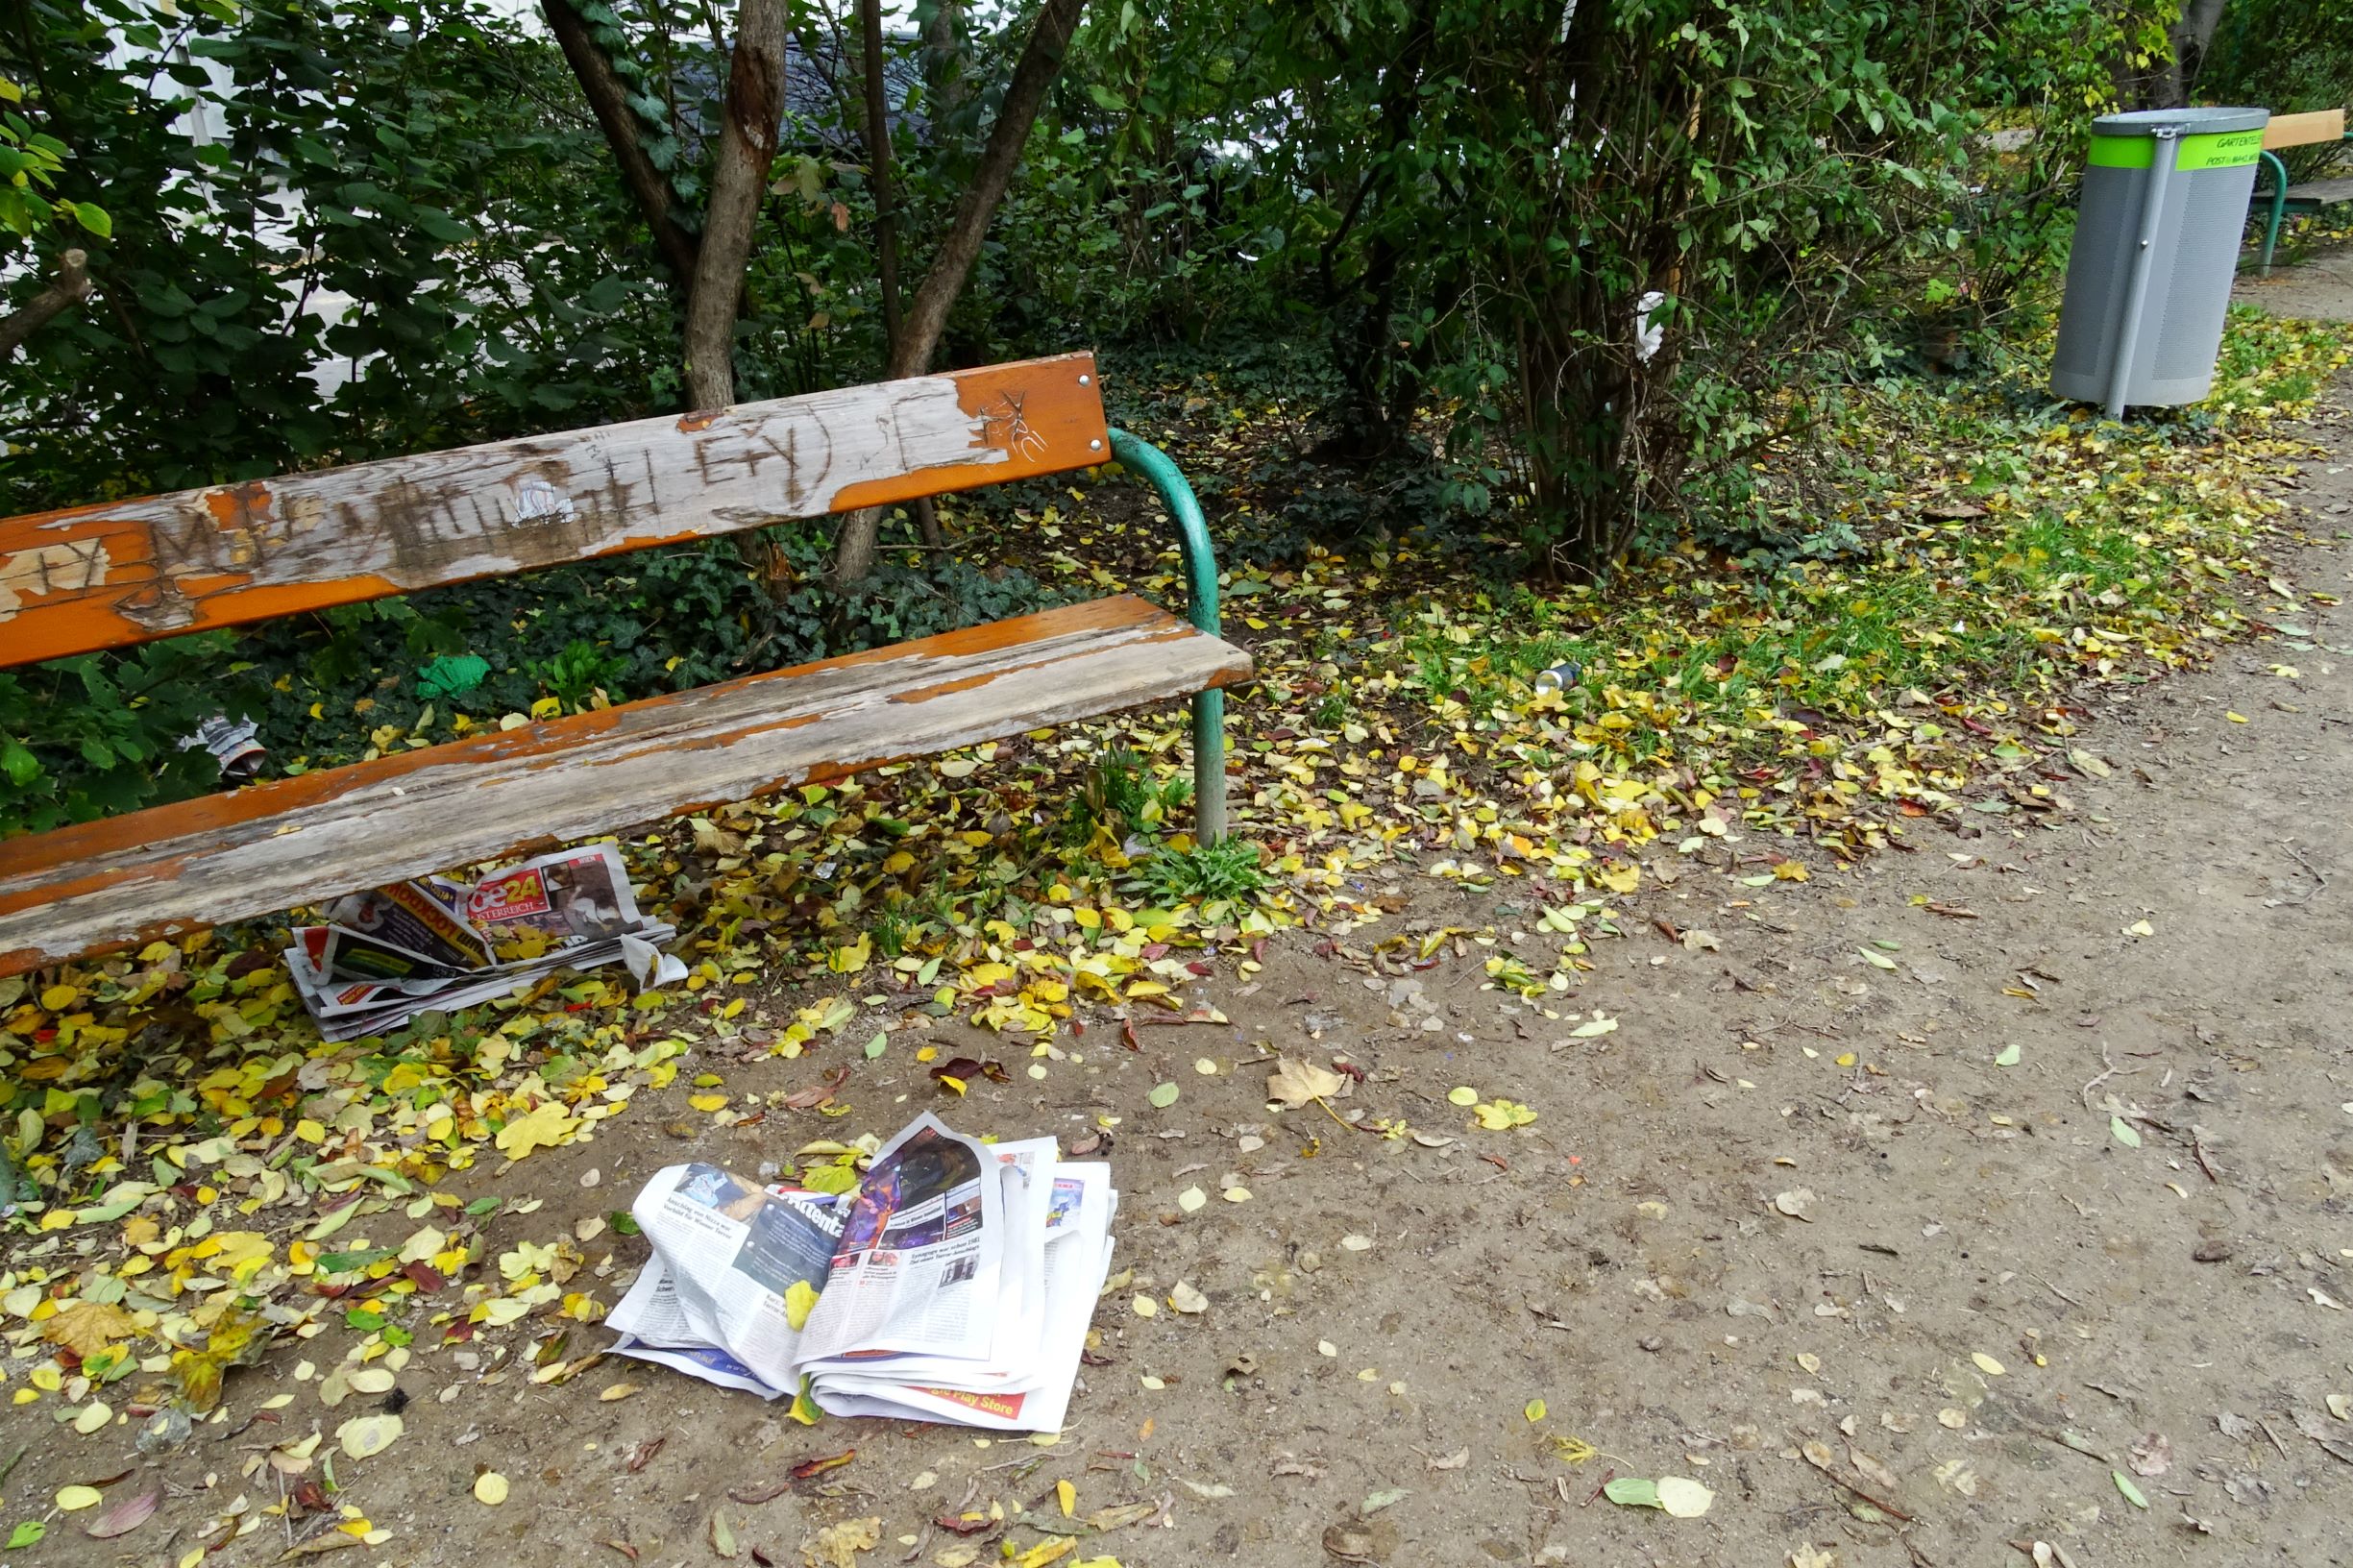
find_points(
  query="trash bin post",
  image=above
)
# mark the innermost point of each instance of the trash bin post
(2144, 258)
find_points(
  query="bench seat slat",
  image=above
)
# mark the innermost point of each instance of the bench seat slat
(126, 880)
(124, 572)
(2322, 192)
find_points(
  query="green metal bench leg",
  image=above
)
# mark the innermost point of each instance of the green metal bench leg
(1201, 609)
(2279, 209)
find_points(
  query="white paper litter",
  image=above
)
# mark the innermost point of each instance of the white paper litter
(955, 1283)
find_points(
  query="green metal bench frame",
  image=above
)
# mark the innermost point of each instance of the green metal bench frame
(1209, 707)
(2282, 204)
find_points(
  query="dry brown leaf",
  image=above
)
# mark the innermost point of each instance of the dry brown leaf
(837, 1546)
(1872, 1469)
(87, 1328)
(713, 840)
(819, 1092)
(1296, 1083)
(126, 1514)
(2152, 1455)
(2309, 1423)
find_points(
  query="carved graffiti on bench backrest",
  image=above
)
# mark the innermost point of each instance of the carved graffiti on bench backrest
(117, 572)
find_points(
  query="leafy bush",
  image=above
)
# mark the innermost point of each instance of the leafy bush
(89, 737)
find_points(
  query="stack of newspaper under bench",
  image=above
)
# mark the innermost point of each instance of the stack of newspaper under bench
(385, 956)
(955, 1283)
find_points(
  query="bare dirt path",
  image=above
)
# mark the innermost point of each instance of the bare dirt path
(2318, 288)
(1935, 1194)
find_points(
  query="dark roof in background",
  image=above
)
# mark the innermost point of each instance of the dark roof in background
(820, 84)
(811, 78)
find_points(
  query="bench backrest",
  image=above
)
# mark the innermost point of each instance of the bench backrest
(125, 571)
(2304, 129)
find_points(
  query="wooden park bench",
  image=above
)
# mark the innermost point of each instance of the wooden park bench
(2325, 124)
(120, 573)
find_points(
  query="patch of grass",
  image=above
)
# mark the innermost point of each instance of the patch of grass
(1210, 872)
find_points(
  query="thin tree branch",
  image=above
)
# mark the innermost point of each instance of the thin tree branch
(1041, 62)
(926, 318)
(878, 166)
(886, 218)
(609, 101)
(71, 288)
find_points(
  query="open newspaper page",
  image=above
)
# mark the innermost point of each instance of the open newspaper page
(714, 1301)
(919, 1264)
(1023, 1174)
(1076, 1261)
(574, 897)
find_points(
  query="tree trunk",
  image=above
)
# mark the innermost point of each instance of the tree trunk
(926, 318)
(2192, 36)
(1365, 349)
(878, 168)
(1365, 427)
(71, 288)
(609, 99)
(2167, 81)
(739, 182)
(886, 220)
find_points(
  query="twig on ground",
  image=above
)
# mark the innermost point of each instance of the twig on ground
(1031, 1459)
(2320, 877)
(2197, 1146)
(2075, 1445)
(1337, 1116)
(1888, 1508)
(2111, 1071)
(2056, 1291)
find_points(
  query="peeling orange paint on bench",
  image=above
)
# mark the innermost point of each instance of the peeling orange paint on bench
(118, 572)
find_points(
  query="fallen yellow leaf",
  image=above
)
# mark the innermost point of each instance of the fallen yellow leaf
(549, 1126)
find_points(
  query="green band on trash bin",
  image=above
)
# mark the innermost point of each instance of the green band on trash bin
(2215, 150)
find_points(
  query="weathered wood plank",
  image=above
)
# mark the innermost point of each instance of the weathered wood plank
(2322, 192)
(128, 879)
(2304, 129)
(124, 571)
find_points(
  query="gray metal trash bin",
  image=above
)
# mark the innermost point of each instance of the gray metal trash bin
(2165, 198)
